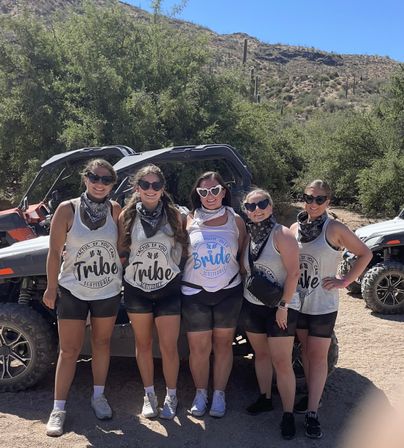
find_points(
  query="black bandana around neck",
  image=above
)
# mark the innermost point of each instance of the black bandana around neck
(151, 220)
(94, 213)
(309, 230)
(259, 233)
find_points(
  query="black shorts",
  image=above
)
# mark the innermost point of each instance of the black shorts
(319, 325)
(70, 307)
(162, 302)
(205, 311)
(262, 319)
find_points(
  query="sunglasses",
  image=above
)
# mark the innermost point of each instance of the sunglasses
(319, 200)
(145, 185)
(214, 191)
(94, 178)
(251, 206)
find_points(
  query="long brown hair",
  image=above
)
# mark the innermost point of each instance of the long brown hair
(195, 198)
(129, 212)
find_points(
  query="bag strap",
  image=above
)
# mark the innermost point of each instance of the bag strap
(250, 260)
(201, 288)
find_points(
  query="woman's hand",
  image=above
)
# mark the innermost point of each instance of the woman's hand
(282, 318)
(334, 283)
(49, 298)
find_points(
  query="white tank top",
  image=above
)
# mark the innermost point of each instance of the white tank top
(270, 264)
(317, 261)
(153, 262)
(212, 262)
(91, 269)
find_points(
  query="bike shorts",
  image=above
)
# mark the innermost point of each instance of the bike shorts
(318, 325)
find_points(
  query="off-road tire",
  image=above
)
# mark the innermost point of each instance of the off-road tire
(28, 347)
(343, 269)
(383, 288)
(298, 364)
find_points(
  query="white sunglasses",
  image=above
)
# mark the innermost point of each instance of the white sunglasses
(214, 191)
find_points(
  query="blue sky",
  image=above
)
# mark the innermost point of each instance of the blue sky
(343, 26)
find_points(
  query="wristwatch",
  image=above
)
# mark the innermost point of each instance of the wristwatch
(283, 304)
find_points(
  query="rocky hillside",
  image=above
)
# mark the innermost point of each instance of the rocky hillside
(287, 76)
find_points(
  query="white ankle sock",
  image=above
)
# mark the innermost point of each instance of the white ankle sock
(59, 405)
(149, 390)
(98, 391)
(171, 392)
(203, 391)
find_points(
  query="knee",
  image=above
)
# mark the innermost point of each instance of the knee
(223, 344)
(144, 347)
(262, 355)
(69, 352)
(282, 364)
(169, 350)
(200, 349)
(100, 342)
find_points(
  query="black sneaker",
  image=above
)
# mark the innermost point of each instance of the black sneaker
(313, 428)
(300, 407)
(263, 404)
(288, 428)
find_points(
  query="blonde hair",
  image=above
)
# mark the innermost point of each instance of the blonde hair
(322, 185)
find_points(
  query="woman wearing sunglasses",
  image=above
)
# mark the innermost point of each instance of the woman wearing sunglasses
(89, 282)
(212, 290)
(320, 239)
(153, 237)
(273, 252)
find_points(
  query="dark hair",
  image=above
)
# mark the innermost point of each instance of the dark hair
(95, 163)
(195, 198)
(322, 185)
(129, 212)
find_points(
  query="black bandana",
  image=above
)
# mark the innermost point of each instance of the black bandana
(151, 220)
(259, 233)
(309, 231)
(94, 213)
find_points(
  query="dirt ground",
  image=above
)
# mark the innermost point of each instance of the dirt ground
(371, 358)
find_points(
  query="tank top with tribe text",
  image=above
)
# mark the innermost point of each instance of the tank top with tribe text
(270, 264)
(317, 261)
(153, 262)
(91, 269)
(212, 262)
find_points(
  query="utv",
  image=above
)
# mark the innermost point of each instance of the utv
(28, 333)
(56, 181)
(382, 283)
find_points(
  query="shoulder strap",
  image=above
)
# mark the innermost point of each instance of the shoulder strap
(201, 288)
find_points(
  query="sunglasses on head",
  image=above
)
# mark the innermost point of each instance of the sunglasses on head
(319, 200)
(145, 185)
(251, 206)
(94, 178)
(214, 191)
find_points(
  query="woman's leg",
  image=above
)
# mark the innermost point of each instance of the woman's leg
(303, 335)
(281, 353)
(71, 337)
(101, 332)
(168, 329)
(262, 361)
(200, 348)
(142, 325)
(317, 355)
(223, 361)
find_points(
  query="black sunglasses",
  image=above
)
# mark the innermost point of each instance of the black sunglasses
(145, 185)
(251, 206)
(94, 178)
(319, 200)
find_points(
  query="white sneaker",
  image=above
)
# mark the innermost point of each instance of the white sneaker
(149, 406)
(169, 408)
(199, 404)
(218, 408)
(54, 427)
(101, 407)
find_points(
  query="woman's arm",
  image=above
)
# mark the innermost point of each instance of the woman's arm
(339, 235)
(123, 249)
(242, 234)
(61, 223)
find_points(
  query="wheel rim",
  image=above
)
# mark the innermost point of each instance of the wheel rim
(390, 289)
(15, 353)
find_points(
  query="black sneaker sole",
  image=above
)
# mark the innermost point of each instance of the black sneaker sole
(313, 436)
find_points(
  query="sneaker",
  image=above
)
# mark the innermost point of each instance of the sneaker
(301, 406)
(199, 404)
(263, 404)
(54, 427)
(169, 408)
(288, 428)
(101, 407)
(149, 406)
(313, 428)
(218, 407)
